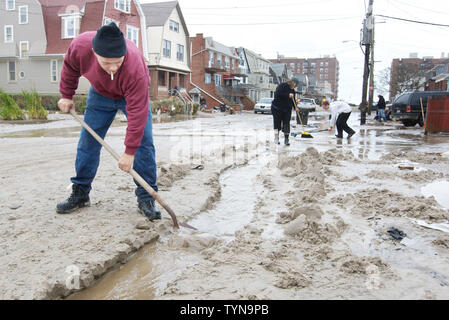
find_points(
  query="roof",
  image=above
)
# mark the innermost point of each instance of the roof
(278, 68)
(157, 14)
(217, 46)
(92, 19)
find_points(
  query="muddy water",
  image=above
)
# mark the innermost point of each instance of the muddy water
(150, 269)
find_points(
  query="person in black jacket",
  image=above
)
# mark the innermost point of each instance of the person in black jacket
(381, 109)
(281, 109)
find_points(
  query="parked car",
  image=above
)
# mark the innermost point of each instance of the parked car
(407, 106)
(263, 106)
(307, 103)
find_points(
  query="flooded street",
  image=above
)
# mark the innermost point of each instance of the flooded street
(313, 220)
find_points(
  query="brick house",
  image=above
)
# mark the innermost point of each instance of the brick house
(56, 23)
(438, 78)
(215, 68)
(411, 69)
(168, 48)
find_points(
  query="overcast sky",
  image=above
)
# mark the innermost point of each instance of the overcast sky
(314, 28)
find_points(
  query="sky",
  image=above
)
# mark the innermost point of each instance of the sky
(315, 28)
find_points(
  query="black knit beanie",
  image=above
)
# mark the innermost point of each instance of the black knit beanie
(109, 42)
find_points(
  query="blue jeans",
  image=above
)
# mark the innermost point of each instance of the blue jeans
(381, 114)
(99, 114)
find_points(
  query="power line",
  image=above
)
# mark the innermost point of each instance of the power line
(269, 23)
(413, 21)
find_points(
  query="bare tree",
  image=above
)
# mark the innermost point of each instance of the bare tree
(406, 77)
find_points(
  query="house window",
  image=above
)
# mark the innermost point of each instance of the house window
(12, 71)
(227, 62)
(174, 26)
(23, 14)
(271, 81)
(326, 63)
(180, 52)
(132, 34)
(211, 57)
(219, 57)
(241, 62)
(109, 20)
(326, 70)
(217, 80)
(23, 48)
(166, 48)
(70, 27)
(207, 78)
(321, 70)
(10, 4)
(123, 5)
(22, 75)
(9, 34)
(292, 65)
(54, 70)
(261, 79)
(161, 78)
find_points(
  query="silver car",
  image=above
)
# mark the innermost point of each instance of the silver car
(263, 106)
(307, 103)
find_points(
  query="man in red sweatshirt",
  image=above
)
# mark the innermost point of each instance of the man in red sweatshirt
(119, 80)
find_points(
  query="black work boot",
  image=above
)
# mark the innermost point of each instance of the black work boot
(77, 199)
(286, 142)
(148, 209)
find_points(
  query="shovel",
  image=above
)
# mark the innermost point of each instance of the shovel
(133, 173)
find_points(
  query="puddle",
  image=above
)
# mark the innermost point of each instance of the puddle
(438, 189)
(155, 265)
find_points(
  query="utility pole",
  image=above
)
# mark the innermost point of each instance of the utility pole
(366, 41)
(371, 74)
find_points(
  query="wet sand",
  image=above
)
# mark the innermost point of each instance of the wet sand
(309, 221)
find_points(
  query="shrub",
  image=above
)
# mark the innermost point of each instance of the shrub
(34, 107)
(195, 108)
(9, 110)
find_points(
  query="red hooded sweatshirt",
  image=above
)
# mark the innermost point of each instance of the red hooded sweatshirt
(130, 82)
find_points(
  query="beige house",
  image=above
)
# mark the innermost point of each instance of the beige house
(168, 48)
(23, 61)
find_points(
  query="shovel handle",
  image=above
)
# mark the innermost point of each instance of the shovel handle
(132, 172)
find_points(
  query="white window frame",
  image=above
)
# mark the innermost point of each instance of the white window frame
(123, 5)
(13, 5)
(20, 48)
(207, 78)
(227, 62)
(20, 14)
(64, 21)
(53, 73)
(217, 77)
(109, 20)
(180, 53)
(9, 73)
(211, 57)
(132, 33)
(164, 48)
(12, 33)
(174, 26)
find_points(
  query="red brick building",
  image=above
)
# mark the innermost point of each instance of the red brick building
(407, 68)
(323, 70)
(214, 68)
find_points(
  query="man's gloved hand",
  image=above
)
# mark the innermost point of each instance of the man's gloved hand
(126, 162)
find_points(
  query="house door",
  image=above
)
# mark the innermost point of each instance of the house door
(172, 80)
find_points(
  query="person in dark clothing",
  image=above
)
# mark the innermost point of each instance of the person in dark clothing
(381, 109)
(281, 109)
(203, 105)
